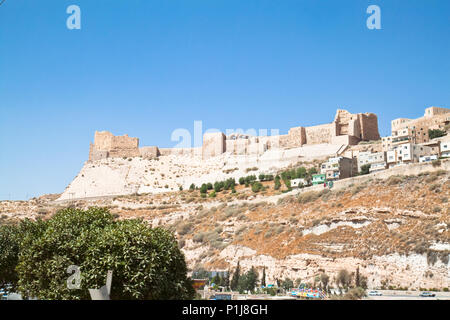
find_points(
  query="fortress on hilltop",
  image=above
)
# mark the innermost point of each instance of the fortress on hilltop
(346, 129)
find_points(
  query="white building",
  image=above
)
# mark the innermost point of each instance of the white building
(339, 168)
(428, 158)
(377, 160)
(295, 183)
(406, 153)
(445, 148)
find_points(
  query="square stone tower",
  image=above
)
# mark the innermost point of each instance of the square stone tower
(213, 144)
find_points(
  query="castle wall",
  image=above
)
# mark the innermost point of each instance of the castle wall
(346, 129)
(369, 127)
(345, 139)
(319, 134)
(95, 154)
(213, 144)
(149, 152)
(180, 151)
(114, 146)
(297, 137)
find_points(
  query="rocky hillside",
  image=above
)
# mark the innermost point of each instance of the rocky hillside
(121, 176)
(395, 228)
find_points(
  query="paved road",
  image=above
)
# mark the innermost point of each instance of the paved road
(408, 295)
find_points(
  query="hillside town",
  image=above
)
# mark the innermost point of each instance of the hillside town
(412, 141)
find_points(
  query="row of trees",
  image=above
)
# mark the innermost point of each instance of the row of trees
(146, 262)
(252, 180)
(250, 281)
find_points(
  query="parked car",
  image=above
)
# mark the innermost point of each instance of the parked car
(427, 294)
(375, 293)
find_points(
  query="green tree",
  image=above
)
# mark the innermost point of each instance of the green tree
(263, 279)
(365, 169)
(248, 281)
(192, 187)
(9, 255)
(343, 278)
(10, 238)
(312, 171)
(235, 279)
(147, 263)
(301, 172)
(204, 189)
(226, 280)
(357, 278)
(277, 183)
(200, 273)
(256, 186)
(217, 186)
(436, 133)
(324, 279)
(287, 284)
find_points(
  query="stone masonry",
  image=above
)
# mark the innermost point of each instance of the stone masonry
(346, 129)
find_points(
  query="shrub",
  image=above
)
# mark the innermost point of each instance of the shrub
(355, 294)
(192, 187)
(256, 186)
(434, 187)
(198, 237)
(393, 180)
(184, 228)
(365, 169)
(96, 243)
(203, 189)
(436, 163)
(277, 185)
(436, 133)
(308, 196)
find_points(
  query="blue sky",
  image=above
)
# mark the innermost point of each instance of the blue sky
(148, 67)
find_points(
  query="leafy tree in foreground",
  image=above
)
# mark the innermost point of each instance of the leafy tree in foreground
(10, 236)
(146, 262)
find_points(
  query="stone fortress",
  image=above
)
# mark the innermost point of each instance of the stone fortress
(346, 129)
(117, 165)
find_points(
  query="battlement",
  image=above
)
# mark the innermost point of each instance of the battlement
(107, 145)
